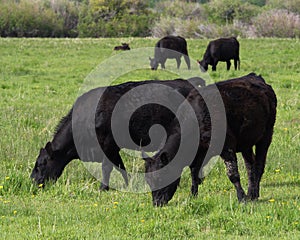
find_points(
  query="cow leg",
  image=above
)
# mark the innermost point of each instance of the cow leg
(107, 168)
(187, 61)
(162, 63)
(249, 158)
(230, 160)
(235, 64)
(114, 159)
(228, 63)
(195, 179)
(214, 65)
(178, 60)
(196, 172)
(259, 164)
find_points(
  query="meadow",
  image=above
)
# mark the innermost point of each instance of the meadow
(39, 81)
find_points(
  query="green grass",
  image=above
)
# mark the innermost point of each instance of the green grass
(39, 81)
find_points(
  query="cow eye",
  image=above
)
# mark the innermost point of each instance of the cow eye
(42, 163)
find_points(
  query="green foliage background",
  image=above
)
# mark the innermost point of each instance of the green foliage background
(141, 18)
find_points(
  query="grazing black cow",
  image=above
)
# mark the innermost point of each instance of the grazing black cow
(170, 47)
(223, 50)
(124, 46)
(250, 107)
(61, 150)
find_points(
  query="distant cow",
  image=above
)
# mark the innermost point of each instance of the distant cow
(124, 46)
(223, 50)
(170, 47)
(61, 150)
(250, 108)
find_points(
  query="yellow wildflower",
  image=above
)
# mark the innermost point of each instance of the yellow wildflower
(15, 212)
(7, 178)
(41, 185)
(277, 170)
(116, 203)
(272, 200)
(95, 204)
(1, 187)
(142, 220)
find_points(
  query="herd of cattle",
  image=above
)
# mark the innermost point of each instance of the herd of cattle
(220, 50)
(250, 111)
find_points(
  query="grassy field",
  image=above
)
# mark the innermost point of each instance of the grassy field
(40, 80)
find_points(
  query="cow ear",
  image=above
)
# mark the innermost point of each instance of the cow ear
(164, 158)
(48, 148)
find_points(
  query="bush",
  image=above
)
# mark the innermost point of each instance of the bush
(291, 5)
(190, 20)
(226, 11)
(40, 18)
(115, 18)
(25, 19)
(277, 23)
(181, 9)
(178, 18)
(67, 12)
(198, 29)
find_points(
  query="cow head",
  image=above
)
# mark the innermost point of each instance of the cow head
(47, 166)
(160, 195)
(203, 65)
(125, 46)
(153, 63)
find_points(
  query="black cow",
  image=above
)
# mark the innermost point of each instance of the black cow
(62, 149)
(124, 46)
(223, 49)
(250, 108)
(170, 47)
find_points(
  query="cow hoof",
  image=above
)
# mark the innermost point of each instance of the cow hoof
(253, 193)
(242, 197)
(194, 191)
(103, 187)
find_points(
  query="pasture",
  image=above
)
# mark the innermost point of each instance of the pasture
(40, 80)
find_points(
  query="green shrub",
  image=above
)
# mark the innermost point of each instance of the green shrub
(115, 18)
(40, 18)
(290, 5)
(178, 18)
(226, 11)
(181, 9)
(257, 2)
